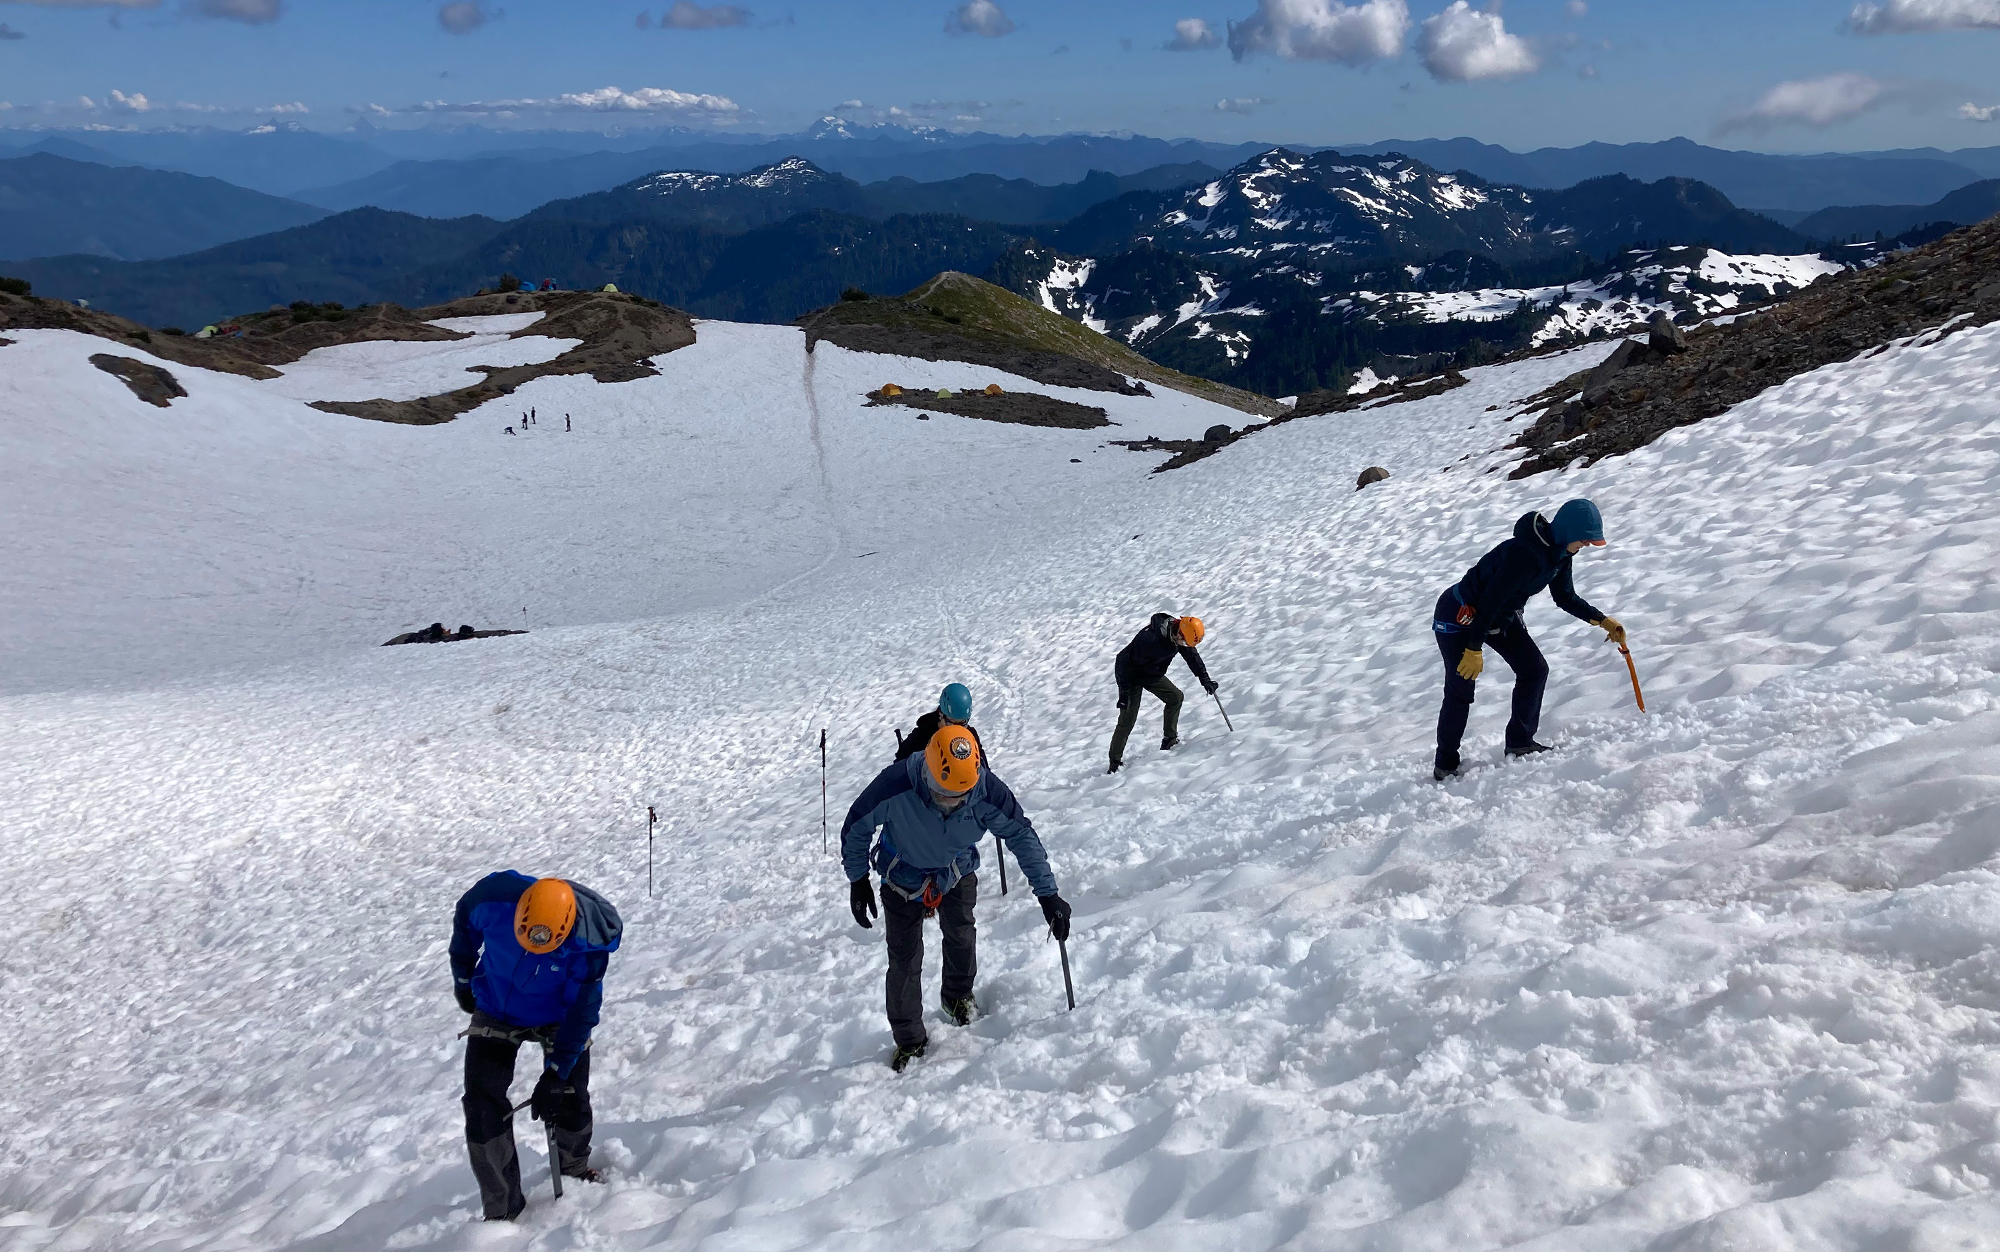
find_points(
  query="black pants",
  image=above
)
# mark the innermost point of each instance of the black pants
(904, 920)
(1531, 679)
(489, 1125)
(1128, 714)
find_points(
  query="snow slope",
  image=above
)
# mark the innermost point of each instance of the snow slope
(1721, 976)
(242, 525)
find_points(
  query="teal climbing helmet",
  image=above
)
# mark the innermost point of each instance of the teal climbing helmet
(955, 703)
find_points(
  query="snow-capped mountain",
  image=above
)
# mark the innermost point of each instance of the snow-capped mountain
(1328, 210)
(769, 193)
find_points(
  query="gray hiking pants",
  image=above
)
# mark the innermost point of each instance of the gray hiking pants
(1128, 715)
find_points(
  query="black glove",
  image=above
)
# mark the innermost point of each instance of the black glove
(1056, 909)
(463, 991)
(1209, 685)
(861, 900)
(548, 1092)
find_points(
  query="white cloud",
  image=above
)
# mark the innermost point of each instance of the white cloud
(1243, 105)
(462, 17)
(134, 103)
(294, 107)
(1979, 113)
(1323, 30)
(1463, 45)
(1813, 102)
(251, 12)
(602, 100)
(688, 16)
(1579, 8)
(845, 105)
(1902, 17)
(979, 17)
(1192, 34)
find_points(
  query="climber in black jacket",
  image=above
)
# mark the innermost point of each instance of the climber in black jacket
(1143, 666)
(1485, 607)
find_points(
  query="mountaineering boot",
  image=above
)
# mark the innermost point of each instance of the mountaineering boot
(1439, 773)
(586, 1174)
(904, 1055)
(960, 1011)
(1170, 743)
(1528, 749)
(1114, 767)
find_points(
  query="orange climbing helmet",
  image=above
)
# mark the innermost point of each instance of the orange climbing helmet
(544, 916)
(1190, 630)
(953, 758)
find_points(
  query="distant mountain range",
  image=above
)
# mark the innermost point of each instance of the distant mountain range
(51, 205)
(1967, 205)
(451, 172)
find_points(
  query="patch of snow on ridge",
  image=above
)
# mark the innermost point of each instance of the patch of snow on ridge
(1767, 270)
(1719, 976)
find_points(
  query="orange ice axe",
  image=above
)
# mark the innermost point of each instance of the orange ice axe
(1634, 671)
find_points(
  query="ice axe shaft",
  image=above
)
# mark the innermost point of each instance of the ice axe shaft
(1069, 988)
(1000, 859)
(822, 789)
(1634, 671)
(1223, 711)
(555, 1162)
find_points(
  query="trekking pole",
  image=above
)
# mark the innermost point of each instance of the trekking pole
(999, 856)
(1069, 988)
(1634, 671)
(822, 789)
(1223, 711)
(652, 819)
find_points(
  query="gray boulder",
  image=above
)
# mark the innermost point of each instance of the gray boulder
(1664, 337)
(1373, 474)
(1216, 434)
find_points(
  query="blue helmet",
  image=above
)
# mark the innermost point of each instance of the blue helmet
(955, 703)
(1577, 519)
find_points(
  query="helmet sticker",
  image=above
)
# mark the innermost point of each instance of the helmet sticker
(962, 749)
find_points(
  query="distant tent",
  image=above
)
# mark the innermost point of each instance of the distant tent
(610, 287)
(206, 332)
(992, 389)
(891, 389)
(944, 393)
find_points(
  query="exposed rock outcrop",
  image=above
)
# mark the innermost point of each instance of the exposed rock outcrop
(150, 383)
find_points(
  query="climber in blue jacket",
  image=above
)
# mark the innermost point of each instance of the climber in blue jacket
(528, 958)
(1484, 607)
(920, 824)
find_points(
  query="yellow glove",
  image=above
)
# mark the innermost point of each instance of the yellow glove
(1470, 664)
(1613, 631)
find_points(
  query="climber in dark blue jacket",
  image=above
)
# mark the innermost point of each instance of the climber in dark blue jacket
(920, 824)
(528, 958)
(1485, 607)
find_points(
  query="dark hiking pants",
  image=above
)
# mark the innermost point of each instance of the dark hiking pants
(1128, 714)
(1531, 679)
(904, 920)
(489, 1126)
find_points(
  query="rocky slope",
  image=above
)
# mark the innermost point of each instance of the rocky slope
(1642, 392)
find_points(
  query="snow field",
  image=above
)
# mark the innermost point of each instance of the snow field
(1721, 976)
(241, 525)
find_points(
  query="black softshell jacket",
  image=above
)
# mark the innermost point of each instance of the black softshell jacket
(1149, 654)
(1501, 584)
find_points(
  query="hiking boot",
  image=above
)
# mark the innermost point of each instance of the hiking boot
(1528, 749)
(960, 1011)
(1168, 745)
(1439, 773)
(586, 1174)
(1114, 767)
(904, 1056)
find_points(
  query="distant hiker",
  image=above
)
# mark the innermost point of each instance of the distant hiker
(528, 958)
(954, 708)
(510, 430)
(565, 423)
(1142, 666)
(1485, 607)
(932, 810)
(532, 419)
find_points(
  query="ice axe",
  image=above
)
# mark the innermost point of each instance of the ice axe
(1069, 988)
(1634, 671)
(1225, 718)
(555, 1162)
(822, 789)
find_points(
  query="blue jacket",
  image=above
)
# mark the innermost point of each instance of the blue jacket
(563, 988)
(1499, 586)
(919, 842)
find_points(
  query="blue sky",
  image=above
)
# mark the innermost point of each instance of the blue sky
(1778, 75)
